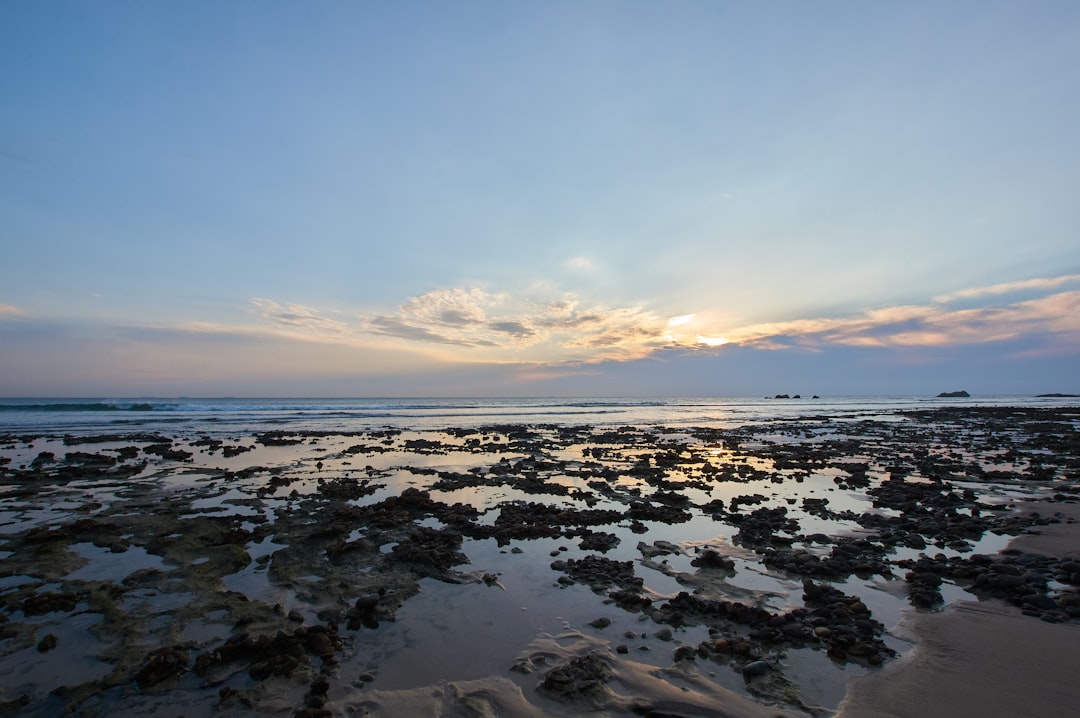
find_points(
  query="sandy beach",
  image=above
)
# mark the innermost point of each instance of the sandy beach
(913, 564)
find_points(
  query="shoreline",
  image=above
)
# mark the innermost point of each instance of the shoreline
(1025, 668)
(531, 569)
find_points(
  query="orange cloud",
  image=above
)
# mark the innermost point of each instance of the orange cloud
(504, 327)
(473, 325)
(929, 325)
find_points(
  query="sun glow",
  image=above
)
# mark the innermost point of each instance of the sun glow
(713, 341)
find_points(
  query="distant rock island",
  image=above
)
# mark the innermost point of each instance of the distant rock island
(953, 394)
(1057, 396)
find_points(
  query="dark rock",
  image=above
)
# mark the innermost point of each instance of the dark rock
(319, 644)
(279, 665)
(584, 676)
(755, 669)
(711, 559)
(432, 551)
(161, 665)
(599, 572)
(685, 653)
(311, 712)
(1041, 602)
(599, 541)
(49, 602)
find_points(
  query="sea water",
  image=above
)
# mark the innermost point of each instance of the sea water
(225, 416)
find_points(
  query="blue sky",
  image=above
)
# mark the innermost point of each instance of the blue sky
(510, 198)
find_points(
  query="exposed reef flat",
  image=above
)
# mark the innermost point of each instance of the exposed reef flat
(529, 569)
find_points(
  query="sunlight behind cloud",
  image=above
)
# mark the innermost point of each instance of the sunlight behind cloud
(475, 325)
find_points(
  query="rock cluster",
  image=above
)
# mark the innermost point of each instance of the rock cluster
(1022, 579)
(599, 573)
(585, 676)
(278, 655)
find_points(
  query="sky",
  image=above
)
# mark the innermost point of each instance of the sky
(497, 198)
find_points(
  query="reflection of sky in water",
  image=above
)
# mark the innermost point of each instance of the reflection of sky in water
(29, 671)
(104, 565)
(227, 503)
(424, 645)
(253, 581)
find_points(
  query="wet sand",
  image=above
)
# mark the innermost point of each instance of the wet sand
(975, 659)
(985, 658)
(545, 570)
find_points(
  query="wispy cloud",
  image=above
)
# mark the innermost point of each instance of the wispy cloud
(579, 263)
(923, 325)
(297, 317)
(1041, 283)
(8, 310)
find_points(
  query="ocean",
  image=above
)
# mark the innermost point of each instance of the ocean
(226, 415)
